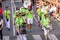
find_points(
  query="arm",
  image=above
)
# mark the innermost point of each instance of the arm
(2, 24)
(9, 13)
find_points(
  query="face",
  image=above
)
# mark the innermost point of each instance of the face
(20, 15)
(16, 15)
(7, 8)
(17, 11)
(46, 15)
(17, 8)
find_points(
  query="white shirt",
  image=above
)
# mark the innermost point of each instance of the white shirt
(26, 4)
(53, 8)
(1, 22)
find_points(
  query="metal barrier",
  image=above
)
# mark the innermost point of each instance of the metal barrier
(13, 11)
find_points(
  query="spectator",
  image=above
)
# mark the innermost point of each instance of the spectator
(1, 15)
(52, 9)
(7, 17)
(1, 27)
(27, 3)
(58, 15)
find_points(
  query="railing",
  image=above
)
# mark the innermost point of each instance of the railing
(13, 7)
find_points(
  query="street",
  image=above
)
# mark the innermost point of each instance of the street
(36, 33)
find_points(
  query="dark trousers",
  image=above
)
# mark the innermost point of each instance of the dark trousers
(1, 34)
(51, 13)
(0, 4)
(23, 29)
(22, 1)
(1, 16)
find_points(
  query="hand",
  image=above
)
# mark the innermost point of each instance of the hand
(14, 23)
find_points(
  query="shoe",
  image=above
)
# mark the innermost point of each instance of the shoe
(28, 30)
(9, 29)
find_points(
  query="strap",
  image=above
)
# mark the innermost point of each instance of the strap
(6, 14)
(19, 21)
